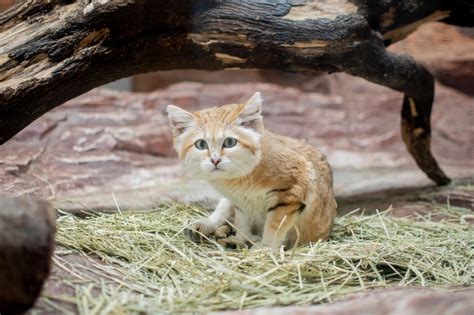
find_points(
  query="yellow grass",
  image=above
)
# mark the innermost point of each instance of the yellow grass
(151, 267)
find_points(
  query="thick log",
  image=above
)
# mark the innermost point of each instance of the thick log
(52, 51)
(402, 73)
(27, 229)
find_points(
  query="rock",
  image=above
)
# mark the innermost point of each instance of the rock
(70, 267)
(5, 4)
(411, 202)
(108, 143)
(401, 301)
(27, 229)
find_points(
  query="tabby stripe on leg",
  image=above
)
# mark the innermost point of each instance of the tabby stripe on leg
(300, 208)
(277, 190)
(277, 206)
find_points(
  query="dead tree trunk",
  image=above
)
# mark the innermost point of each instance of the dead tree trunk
(52, 51)
(27, 229)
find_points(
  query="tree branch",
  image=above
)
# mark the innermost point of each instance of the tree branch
(52, 51)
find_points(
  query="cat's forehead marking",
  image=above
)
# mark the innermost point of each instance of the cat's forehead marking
(214, 121)
(219, 116)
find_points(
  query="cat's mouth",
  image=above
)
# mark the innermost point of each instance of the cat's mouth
(216, 169)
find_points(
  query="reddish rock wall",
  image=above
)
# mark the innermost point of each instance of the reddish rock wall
(108, 141)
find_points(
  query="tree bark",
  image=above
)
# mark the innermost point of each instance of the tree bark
(52, 51)
(27, 229)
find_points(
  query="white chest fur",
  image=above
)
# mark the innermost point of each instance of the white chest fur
(252, 202)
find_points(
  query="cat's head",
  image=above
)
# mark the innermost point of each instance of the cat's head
(219, 142)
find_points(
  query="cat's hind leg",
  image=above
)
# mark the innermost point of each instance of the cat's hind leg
(280, 219)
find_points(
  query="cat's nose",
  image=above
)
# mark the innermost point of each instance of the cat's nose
(216, 161)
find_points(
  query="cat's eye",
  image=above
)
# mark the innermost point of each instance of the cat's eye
(229, 142)
(201, 144)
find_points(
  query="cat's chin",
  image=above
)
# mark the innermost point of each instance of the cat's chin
(216, 175)
(220, 174)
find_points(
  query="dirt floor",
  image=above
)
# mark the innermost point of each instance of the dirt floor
(107, 148)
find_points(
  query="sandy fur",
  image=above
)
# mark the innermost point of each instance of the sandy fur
(278, 190)
(290, 172)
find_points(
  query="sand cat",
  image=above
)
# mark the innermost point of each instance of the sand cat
(277, 190)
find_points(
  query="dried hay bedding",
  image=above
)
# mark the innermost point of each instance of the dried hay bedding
(151, 267)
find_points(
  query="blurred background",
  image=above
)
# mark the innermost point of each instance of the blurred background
(115, 140)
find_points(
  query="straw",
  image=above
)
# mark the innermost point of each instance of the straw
(151, 267)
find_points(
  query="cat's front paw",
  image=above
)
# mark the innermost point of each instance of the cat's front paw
(199, 230)
(233, 242)
(239, 241)
(223, 231)
(254, 239)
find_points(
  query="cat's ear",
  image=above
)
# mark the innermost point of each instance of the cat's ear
(252, 112)
(180, 119)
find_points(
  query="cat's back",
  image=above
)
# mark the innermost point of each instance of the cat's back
(274, 142)
(292, 150)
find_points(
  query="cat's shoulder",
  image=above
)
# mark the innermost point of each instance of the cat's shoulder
(290, 147)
